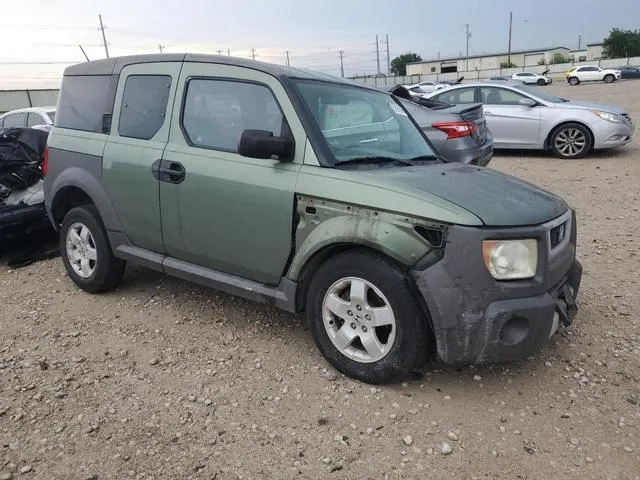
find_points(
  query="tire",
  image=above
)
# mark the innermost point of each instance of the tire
(397, 345)
(571, 141)
(541, 82)
(574, 81)
(92, 267)
(608, 78)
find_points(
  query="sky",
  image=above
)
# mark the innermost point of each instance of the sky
(38, 38)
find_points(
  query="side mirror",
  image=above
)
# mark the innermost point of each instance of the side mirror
(527, 102)
(262, 144)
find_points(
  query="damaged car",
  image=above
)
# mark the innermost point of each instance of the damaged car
(22, 211)
(314, 194)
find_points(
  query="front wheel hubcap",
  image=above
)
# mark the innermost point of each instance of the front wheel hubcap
(81, 250)
(359, 320)
(570, 142)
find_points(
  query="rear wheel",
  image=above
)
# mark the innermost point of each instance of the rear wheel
(365, 319)
(86, 252)
(608, 78)
(574, 81)
(570, 141)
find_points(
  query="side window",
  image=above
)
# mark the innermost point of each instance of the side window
(144, 105)
(459, 95)
(35, 119)
(85, 100)
(15, 120)
(499, 96)
(216, 112)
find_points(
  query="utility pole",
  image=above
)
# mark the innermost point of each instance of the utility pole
(388, 57)
(378, 54)
(220, 52)
(253, 53)
(579, 42)
(84, 53)
(287, 52)
(468, 35)
(228, 52)
(510, 24)
(104, 38)
(341, 53)
(160, 47)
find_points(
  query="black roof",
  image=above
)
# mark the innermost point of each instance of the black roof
(113, 66)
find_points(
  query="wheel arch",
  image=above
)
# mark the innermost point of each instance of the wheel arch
(547, 141)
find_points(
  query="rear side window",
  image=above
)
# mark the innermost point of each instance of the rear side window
(216, 112)
(84, 102)
(35, 119)
(144, 105)
(15, 120)
(458, 96)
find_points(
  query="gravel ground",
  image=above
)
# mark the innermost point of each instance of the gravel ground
(163, 379)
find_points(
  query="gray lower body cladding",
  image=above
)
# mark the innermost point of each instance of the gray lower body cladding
(477, 319)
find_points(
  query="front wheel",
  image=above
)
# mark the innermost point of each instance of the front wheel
(86, 252)
(574, 81)
(609, 78)
(541, 82)
(365, 319)
(571, 141)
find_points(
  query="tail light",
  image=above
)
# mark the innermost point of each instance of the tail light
(45, 161)
(456, 129)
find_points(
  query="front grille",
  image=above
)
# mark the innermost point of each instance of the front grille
(558, 234)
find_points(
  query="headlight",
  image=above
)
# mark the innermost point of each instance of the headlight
(610, 117)
(511, 259)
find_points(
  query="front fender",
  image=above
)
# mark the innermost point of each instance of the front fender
(323, 223)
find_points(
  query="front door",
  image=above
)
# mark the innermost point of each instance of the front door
(512, 125)
(223, 211)
(138, 135)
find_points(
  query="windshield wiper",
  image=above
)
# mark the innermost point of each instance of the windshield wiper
(375, 160)
(425, 158)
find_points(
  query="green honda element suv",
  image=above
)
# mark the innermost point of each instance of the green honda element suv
(313, 194)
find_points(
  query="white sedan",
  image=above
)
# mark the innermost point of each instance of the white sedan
(529, 78)
(426, 87)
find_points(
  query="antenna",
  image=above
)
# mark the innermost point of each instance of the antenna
(84, 53)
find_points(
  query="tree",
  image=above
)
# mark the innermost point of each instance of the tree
(559, 58)
(399, 64)
(621, 43)
(507, 65)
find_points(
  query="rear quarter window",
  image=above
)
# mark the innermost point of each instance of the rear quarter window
(85, 100)
(144, 104)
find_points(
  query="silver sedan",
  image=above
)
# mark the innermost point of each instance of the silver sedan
(523, 117)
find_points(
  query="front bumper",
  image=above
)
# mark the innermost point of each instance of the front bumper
(478, 319)
(611, 135)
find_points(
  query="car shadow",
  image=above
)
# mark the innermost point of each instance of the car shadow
(39, 245)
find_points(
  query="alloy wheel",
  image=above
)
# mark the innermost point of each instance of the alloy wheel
(570, 142)
(81, 250)
(359, 320)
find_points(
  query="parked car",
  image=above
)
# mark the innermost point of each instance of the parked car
(321, 196)
(427, 87)
(577, 75)
(22, 210)
(629, 72)
(29, 117)
(529, 78)
(457, 132)
(525, 117)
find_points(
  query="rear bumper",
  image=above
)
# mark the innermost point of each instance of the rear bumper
(466, 150)
(477, 319)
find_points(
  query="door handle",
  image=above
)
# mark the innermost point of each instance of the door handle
(168, 171)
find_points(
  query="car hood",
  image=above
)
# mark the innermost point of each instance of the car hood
(590, 106)
(495, 198)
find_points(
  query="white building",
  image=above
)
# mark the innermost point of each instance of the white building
(521, 58)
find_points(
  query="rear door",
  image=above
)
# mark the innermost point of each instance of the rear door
(15, 120)
(457, 96)
(139, 134)
(512, 125)
(224, 211)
